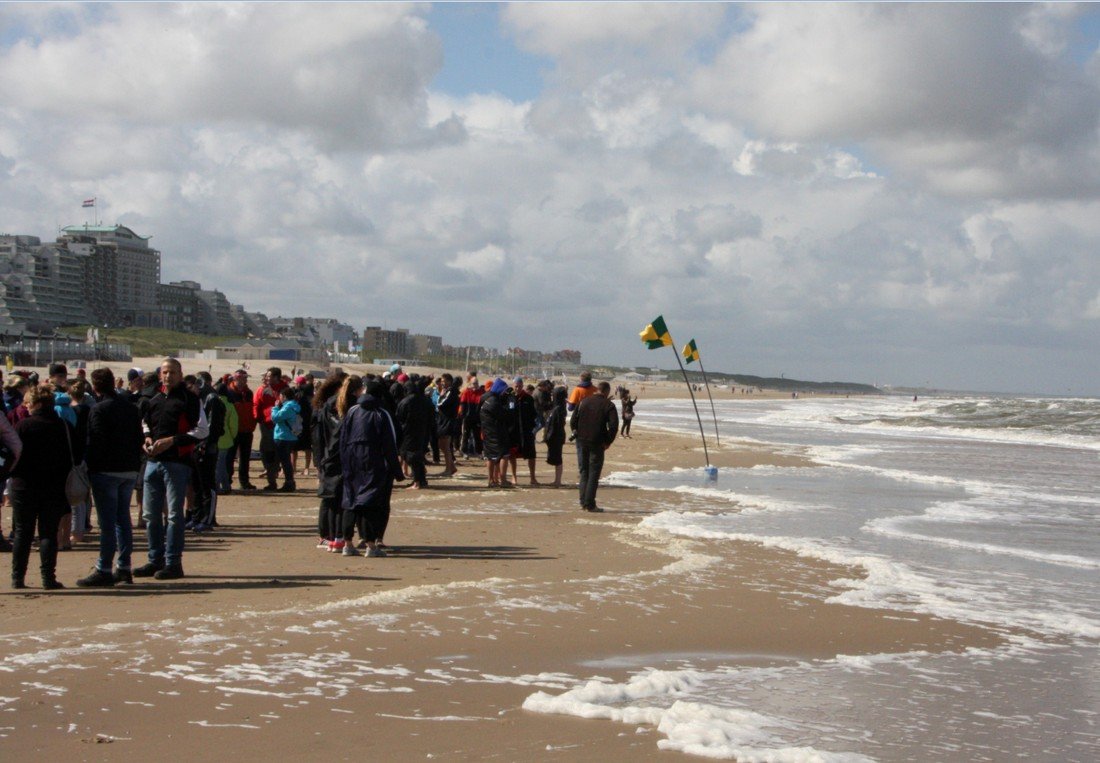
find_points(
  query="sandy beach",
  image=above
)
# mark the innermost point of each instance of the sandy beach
(271, 646)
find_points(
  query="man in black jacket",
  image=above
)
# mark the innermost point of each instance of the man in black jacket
(416, 415)
(205, 455)
(114, 457)
(596, 423)
(174, 423)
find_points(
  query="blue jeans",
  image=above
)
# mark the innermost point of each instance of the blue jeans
(165, 479)
(224, 470)
(112, 507)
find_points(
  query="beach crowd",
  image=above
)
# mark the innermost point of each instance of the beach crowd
(73, 445)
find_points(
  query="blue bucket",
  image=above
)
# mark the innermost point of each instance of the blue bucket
(712, 473)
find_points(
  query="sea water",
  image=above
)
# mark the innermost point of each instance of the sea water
(980, 510)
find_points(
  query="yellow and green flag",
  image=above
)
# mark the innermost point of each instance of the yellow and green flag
(656, 334)
(690, 353)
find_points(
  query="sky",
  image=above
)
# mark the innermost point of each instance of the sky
(902, 194)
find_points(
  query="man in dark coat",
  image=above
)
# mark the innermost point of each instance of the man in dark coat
(416, 415)
(114, 457)
(368, 457)
(596, 423)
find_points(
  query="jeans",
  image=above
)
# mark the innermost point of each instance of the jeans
(590, 461)
(283, 449)
(224, 470)
(112, 508)
(161, 478)
(268, 455)
(244, 457)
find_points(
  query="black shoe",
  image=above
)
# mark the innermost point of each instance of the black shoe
(51, 584)
(4, 545)
(271, 487)
(123, 576)
(171, 572)
(98, 579)
(18, 583)
(248, 486)
(594, 509)
(288, 487)
(147, 570)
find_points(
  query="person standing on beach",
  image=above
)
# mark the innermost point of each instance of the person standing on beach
(416, 415)
(326, 455)
(470, 402)
(526, 416)
(262, 402)
(368, 457)
(583, 389)
(38, 486)
(446, 417)
(174, 423)
(286, 415)
(628, 404)
(114, 457)
(554, 433)
(246, 426)
(495, 428)
(596, 424)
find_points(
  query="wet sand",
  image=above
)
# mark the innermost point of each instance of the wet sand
(270, 646)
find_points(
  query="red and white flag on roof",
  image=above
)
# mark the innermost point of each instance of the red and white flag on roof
(88, 203)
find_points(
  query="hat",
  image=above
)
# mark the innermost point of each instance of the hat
(517, 380)
(402, 377)
(57, 368)
(133, 373)
(386, 375)
(301, 379)
(499, 386)
(241, 372)
(395, 368)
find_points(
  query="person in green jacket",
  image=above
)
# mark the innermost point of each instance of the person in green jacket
(227, 443)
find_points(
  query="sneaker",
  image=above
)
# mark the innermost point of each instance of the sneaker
(322, 543)
(594, 509)
(361, 545)
(189, 526)
(147, 570)
(200, 528)
(350, 550)
(51, 584)
(376, 552)
(171, 572)
(123, 576)
(336, 546)
(98, 579)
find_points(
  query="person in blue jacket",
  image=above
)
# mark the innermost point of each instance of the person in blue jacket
(286, 415)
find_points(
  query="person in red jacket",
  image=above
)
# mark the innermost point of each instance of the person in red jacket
(262, 402)
(246, 426)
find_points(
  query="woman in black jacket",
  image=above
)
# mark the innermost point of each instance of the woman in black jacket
(38, 486)
(326, 455)
(554, 434)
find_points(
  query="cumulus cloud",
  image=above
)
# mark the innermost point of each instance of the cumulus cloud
(352, 74)
(975, 100)
(831, 191)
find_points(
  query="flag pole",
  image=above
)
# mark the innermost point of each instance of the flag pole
(693, 403)
(712, 411)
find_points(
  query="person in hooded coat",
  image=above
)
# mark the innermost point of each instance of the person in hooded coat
(554, 434)
(416, 415)
(368, 457)
(496, 427)
(326, 455)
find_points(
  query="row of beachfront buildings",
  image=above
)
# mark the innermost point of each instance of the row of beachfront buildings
(108, 275)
